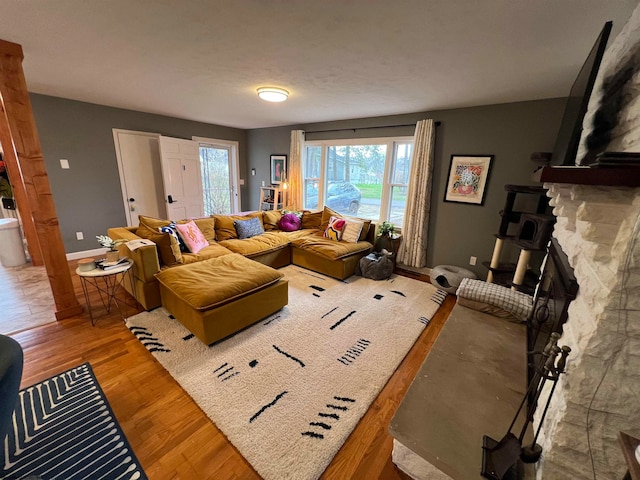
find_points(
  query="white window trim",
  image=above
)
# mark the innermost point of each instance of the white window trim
(385, 200)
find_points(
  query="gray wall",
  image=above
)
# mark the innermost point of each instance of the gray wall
(88, 197)
(457, 231)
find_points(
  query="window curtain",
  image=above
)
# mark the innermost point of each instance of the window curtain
(294, 170)
(413, 249)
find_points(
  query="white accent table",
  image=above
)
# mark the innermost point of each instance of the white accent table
(107, 283)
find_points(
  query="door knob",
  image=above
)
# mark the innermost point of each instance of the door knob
(171, 200)
(132, 199)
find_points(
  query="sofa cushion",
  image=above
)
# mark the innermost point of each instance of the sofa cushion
(231, 276)
(167, 246)
(352, 230)
(298, 233)
(225, 228)
(327, 213)
(290, 222)
(366, 226)
(266, 242)
(192, 236)
(248, 228)
(330, 249)
(213, 250)
(151, 222)
(311, 219)
(271, 219)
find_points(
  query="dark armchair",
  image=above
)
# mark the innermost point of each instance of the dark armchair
(11, 360)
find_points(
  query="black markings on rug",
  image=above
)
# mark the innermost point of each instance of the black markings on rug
(378, 296)
(424, 320)
(268, 405)
(188, 337)
(136, 330)
(439, 297)
(397, 292)
(224, 372)
(329, 415)
(221, 367)
(147, 339)
(271, 320)
(311, 274)
(288, 355)
(329, 312)
(317, 288)
(321, 425)
(344, 399)
(354, 351)
(341, 320)
(338, 403)
(253, 363)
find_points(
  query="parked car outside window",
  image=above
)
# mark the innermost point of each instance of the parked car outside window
(343, 197)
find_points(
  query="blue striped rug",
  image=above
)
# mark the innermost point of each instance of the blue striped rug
(64, 428)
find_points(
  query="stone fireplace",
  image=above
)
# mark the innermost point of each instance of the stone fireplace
(598, 227)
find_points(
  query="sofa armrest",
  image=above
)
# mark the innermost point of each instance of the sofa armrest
(145, 259)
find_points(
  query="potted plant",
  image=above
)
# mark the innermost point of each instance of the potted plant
(386, 238)
(387, 229)
(107, 242)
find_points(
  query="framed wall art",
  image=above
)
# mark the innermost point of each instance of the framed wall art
(278, 169)
(468, 176)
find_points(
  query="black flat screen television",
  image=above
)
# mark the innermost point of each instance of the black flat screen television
(568, 139)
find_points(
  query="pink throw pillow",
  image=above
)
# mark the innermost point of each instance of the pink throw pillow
(290, 222)
(192, 236)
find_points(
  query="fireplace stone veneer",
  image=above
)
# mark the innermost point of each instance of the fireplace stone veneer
(597, 227)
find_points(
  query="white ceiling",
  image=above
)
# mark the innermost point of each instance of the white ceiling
(203, 60)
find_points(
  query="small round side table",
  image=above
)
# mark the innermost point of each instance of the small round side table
(106, 282)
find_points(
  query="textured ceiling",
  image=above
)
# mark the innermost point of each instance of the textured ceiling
(340, 59)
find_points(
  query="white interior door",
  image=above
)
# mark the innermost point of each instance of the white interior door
(181, 177)
(140, 171)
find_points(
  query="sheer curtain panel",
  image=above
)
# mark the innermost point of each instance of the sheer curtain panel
(413, 250)
(294, 173)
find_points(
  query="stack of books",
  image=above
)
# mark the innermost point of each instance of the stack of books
(104, 265)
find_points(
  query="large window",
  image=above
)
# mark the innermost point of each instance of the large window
(367, 178)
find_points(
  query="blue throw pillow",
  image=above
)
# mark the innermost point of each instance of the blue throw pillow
(173, 231)
(248, 228)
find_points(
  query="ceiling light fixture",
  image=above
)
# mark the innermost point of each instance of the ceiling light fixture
(273, 94)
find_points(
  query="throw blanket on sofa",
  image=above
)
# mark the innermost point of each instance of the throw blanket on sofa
(516, 303)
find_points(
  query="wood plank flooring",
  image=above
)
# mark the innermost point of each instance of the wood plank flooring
(171, 436)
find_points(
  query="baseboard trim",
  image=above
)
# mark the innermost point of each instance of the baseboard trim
(96, 252)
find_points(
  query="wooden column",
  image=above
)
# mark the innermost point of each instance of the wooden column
(27, 171)
(13, 169)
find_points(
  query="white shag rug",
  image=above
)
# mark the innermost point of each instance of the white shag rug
(289, 390)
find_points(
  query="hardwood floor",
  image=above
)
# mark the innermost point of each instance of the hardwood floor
(171, 436)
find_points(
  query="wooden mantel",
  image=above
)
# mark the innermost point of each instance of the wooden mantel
(28, 175)
(604, 176)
